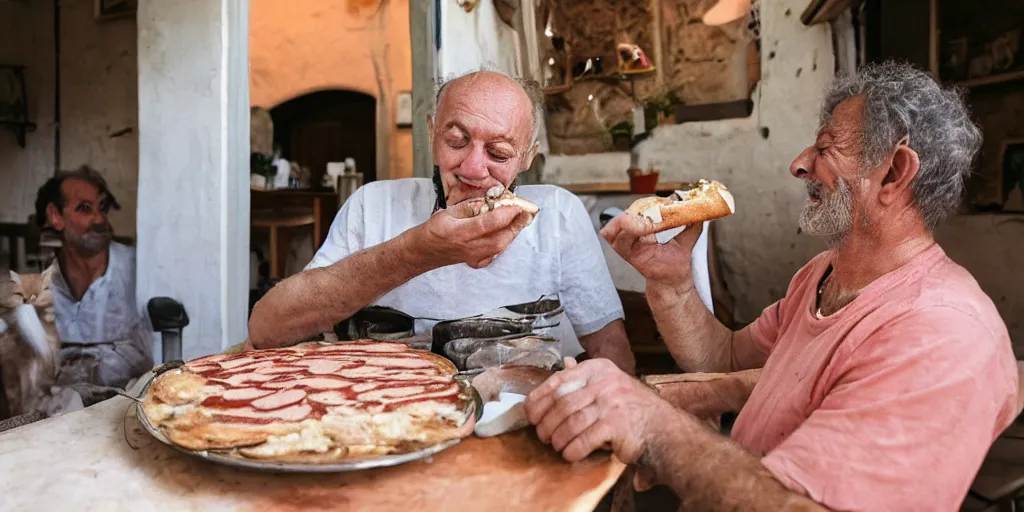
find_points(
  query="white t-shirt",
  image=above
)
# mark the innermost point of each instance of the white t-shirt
(557, 255)
(106, 314)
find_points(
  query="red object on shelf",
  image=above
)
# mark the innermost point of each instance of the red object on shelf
(640, 183)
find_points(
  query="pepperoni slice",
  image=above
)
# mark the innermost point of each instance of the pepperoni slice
(279, 399)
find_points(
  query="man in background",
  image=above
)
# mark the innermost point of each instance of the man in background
(106, 339)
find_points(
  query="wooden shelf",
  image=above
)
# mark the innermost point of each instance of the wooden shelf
(994, 79)
(619, 187)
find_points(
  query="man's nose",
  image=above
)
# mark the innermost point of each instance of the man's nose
(474, 167)
(803, 163)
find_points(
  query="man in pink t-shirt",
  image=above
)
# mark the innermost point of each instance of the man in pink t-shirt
(887, 372)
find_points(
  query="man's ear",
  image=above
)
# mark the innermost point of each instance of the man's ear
(15, 277)
(901, 173)
(54, 217)
(430, 127)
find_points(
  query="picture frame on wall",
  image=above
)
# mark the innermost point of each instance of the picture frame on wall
(114, 9)
(403, 109)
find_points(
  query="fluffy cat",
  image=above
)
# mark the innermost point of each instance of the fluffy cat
(29, 373)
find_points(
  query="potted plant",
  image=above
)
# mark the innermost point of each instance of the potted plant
(661, 109)
(622, 135)
(643, 182)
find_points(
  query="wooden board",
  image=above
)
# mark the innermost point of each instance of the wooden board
(84, 458)
(619, 187)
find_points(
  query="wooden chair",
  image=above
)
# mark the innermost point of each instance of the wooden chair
(279, 224)
(37, 255)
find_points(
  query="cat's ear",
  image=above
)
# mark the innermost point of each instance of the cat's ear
(15, 277)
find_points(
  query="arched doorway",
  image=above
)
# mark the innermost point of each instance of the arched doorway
(328, 126)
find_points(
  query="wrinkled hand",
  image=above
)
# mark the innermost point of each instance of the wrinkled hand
(610, 410)
(461, 234)
(667, 263)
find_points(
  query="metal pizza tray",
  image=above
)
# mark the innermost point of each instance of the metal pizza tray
(228, 458)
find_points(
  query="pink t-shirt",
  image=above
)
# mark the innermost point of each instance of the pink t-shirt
(892, 402)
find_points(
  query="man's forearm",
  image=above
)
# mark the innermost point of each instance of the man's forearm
(706, 396)
(697, 340)
(313, 301)
(610, 342)
(710, 472)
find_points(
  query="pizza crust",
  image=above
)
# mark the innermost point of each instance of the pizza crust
(408, 401)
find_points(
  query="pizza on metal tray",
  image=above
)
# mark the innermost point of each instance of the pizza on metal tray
(313, 402)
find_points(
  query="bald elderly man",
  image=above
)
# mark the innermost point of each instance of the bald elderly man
(408, 244)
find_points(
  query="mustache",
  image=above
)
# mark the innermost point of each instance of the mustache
(101, 229)
(815, 189)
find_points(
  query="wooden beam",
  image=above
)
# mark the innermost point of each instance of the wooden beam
(933, 39)
(714, 111)
(820, 11)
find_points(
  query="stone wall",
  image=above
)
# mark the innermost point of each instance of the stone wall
(695, 65)
(759, 246)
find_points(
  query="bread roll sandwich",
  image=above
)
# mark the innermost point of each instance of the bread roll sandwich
(708, 200)
(497, 196)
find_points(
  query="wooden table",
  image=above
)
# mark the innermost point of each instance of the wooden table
(84, 458)
(322, 202)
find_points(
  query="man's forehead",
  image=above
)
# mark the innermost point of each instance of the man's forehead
(77, 189)
(491, 101)
(846, 119)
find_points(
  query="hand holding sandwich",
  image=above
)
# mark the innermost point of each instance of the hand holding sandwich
(667, 263)
(471, 232)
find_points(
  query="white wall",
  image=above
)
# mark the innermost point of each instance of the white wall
(98, 98)
(475, 39)
(194, 165)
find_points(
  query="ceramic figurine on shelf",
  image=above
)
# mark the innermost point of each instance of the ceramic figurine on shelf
(632, 59)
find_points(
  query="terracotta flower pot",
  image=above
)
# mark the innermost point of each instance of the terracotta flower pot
(640, 183)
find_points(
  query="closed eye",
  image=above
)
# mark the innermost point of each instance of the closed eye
(499, 157)
(458, 142)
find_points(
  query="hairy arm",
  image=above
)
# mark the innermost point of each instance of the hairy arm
(706, 395)
(727, 477)
(697, 340)
(313, 301)
(610, 342)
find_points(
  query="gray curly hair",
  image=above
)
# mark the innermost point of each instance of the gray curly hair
(902, 101)
(530, 87)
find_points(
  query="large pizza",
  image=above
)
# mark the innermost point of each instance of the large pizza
(314, 402)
